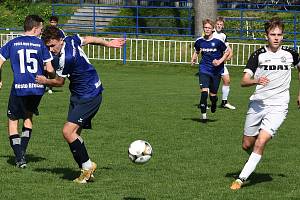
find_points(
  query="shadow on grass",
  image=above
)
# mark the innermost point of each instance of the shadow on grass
(255, 178)
(133, 198)
(67, 173)
(29, 158)
(200, 120)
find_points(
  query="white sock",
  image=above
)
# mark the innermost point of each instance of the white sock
(204, 116)
(250, 166)
(87, 165)
(225, 92)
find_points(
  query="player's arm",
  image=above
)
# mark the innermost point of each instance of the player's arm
(230, 53)
(55, 82)
(49, 70)
(1, 62)
(222, 59)
(194, 57)
(116, 43)
(247, 81)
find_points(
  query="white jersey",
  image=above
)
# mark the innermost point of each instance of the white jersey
(221, 36)
(277, 68)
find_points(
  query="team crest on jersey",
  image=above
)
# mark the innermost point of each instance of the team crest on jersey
(213, 44)
(283, 59)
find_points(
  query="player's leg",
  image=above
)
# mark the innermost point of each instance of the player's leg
(80, 114)
(214, 86)
(204, 81)
(225, 90)
(273, 118)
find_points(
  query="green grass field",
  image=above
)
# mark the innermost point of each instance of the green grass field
(155, 102)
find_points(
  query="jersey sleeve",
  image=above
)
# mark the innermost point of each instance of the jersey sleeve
(78, 40)
(197, 46)
(47, 56)
(295, 54)
(252, 63)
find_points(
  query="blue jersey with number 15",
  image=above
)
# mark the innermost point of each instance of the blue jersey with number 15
(27, 55)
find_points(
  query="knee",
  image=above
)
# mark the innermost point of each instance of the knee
(247, 146)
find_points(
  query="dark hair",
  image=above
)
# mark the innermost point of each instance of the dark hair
(32, 21)
(273, 23)
(51, 33)
(53, 18)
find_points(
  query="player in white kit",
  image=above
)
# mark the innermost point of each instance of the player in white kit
(270, 67)
(219, 34)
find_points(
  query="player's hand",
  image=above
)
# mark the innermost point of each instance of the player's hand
(193, 63)
(263, 81)
(40, 79)
(298, 102)
(216, 62)
(116, 43)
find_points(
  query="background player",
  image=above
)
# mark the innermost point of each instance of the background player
(219, 34)
(27, 55)
(270, 67)
(211, 66)
(85, 87)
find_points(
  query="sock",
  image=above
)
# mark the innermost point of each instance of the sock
(15, 143)
(250, 166)
(213, 99)
(203, 101)
(25, 137)
(87, 165)
(225, 92)
(79, 151)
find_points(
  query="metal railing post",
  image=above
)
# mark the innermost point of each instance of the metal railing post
(124, 50)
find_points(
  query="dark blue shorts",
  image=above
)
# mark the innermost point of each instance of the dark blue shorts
(23, 107)
(81, 111)
(210, 81)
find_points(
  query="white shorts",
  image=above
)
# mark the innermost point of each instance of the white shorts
(268, 118)
(226, 72)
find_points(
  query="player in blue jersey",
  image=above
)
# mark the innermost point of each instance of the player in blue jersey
(214, 53)
(29, 57)
(85, 87)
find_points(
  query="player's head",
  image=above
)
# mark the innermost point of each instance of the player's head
(52, 38)
(219, 24)
(33, 23)
(208, 27)
(53, 20)
(274, 33)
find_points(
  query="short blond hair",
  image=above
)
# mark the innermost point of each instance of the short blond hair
(208, 21)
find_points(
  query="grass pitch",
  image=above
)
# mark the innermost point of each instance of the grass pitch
(157, 103)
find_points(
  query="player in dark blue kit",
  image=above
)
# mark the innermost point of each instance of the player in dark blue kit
(85, 87)
(29, 57)
(214, 53)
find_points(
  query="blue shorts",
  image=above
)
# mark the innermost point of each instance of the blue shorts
(81, 111)
(210, 81)
(23, 107)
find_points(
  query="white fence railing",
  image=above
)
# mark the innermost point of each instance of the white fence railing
(151, 50)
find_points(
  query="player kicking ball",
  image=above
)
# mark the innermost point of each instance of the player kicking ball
(270, 67)
(85, 87)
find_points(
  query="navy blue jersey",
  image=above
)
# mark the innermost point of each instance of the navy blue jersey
(74, 64)
(210, 49)
(62, 33)
(27, 55)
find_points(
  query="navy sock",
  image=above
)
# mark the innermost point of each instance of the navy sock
(79, 152)
(25, 137)
(15, 143)
(203, 101)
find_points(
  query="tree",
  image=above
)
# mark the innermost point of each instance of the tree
(204, 9)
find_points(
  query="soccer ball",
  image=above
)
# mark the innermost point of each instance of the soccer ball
(139, 151)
